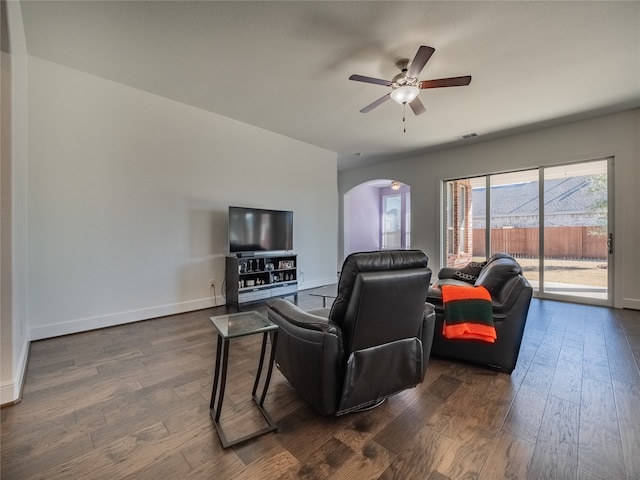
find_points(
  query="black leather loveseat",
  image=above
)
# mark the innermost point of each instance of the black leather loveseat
(510, 299)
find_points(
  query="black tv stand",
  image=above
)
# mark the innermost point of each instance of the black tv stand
(251, 278)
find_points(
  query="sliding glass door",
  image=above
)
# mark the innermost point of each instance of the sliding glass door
(554, 220)
(576, 240)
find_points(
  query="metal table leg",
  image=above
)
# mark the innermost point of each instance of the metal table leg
(222, 354)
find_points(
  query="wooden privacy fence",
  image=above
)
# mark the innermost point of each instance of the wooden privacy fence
(559, 242)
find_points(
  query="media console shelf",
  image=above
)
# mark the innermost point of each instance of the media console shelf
(260, 277)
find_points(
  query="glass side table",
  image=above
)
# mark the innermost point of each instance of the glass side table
(232, 326)
(326, 292)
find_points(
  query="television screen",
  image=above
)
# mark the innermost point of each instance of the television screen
(260, 230)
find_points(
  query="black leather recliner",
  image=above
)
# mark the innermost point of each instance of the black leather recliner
(373, 342)
(510, 298)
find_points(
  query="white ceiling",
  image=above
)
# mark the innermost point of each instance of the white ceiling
(284, 66)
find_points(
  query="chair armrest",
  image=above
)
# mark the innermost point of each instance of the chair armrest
(298, 317)
(450, 281)
(426, 335)
(505, 299)
(434, 297)
(309, 354)
(320, 312)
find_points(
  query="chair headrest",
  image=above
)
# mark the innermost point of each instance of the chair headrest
(384, 260)
(360, 262)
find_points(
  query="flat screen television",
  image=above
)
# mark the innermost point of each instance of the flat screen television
(257, 230)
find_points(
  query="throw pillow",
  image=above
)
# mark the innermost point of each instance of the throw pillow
(469, 273)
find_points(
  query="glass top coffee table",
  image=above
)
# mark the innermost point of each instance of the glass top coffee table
(237, 325)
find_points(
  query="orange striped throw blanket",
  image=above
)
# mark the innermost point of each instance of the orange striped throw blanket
(467, 313)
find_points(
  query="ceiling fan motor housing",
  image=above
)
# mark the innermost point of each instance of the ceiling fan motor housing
(401, 78)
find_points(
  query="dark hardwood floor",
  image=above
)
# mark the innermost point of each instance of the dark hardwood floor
(132, 402)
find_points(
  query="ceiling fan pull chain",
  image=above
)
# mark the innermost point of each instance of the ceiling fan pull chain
(404, 117)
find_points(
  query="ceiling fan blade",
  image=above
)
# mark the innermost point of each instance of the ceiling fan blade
(417, 106)
(377, 81)
(380, 101)
(419, 61)
(446, 82)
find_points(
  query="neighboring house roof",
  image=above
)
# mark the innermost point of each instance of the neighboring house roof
(571, 201)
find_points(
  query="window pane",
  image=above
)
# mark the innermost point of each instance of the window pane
(462, 211)
(514, 219)
(407, 240)
(458, 225)
(450, 246)
(391, 221)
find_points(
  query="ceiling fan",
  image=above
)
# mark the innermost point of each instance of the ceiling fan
(405, 86)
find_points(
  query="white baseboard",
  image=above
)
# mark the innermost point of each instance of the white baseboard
(631, 303)
(120, 318)
(7, 392)
(11, 390)
(110, 320)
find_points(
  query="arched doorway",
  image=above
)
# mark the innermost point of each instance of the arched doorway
(377, 216)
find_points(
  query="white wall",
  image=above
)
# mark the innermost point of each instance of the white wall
(614, 135)
(363, 211)
(128, 197)
(14, 338)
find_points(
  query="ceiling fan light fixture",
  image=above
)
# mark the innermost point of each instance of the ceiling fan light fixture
(405, 94)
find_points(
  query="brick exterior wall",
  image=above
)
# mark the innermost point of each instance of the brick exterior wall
(459, 239)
